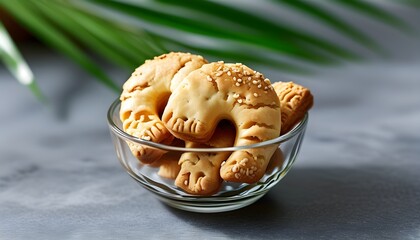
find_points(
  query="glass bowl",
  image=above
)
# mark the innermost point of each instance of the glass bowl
(231, 195)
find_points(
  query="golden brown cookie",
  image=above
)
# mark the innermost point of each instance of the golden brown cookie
(145, 95)
(200, 171)
(234, 92)
(168, 163)
(295, 101)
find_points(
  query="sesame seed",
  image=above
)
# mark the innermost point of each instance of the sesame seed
(265, 88)
(267, 81)
(237, 84)
(147, 138)
(219, 68)
(240, 75)
(247, 171)
(240, 100)
(218, 74)
(249, 78)
(254, 82)
(259, 86)
(234, 78)
(255, 94)
(209, 78)
(235, 95)
(229, 73)
(242, 171)
(237, 175)
(245, 160)
(186, 182)
(239, 80)
(235, 168)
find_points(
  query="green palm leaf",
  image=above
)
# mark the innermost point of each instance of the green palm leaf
(51, 35)
(16, 64)
(203, 28)
(263, 27)
(116, 31)
(332, 20)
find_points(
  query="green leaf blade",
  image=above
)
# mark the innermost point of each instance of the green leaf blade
(47, 32)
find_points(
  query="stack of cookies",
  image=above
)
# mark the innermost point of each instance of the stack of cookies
(180, 99)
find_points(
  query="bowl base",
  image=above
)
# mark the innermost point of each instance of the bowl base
(210, 207)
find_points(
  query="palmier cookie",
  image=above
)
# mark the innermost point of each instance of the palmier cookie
(234, 92)
(200, 171)
(295, 101)
(145, 95)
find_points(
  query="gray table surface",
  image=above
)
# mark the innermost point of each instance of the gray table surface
(357, 175)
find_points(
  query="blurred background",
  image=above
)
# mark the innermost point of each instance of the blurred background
(293, 39)
(62, 63)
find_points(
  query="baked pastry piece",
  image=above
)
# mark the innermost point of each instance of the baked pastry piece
(295, 101)
(234, 92)
(200, 171)
(144, 96)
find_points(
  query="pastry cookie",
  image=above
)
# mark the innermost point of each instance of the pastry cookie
(295, 101)
(234, 92)
(200, 171)
(144, 96)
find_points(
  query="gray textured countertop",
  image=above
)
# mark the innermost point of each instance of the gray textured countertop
(356, 176)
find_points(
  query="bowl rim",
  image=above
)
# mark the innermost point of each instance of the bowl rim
(118, 131)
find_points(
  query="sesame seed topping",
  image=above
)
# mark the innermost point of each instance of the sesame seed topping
(237, 84)
(209, 78)
(240, 100)
(223, 163)
(249, 78)
(235, 168)
(234, 78)
(237, 175)
(147, 138)
(255, 94)
(239, 80)
(267, 81)
(240, 75)
(254, 82)
(235, 95)
(186, 182)
(229, 73)
(259, 86)
(265, 88)
(218, 74)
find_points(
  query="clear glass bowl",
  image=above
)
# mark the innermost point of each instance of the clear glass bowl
(231, 196)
